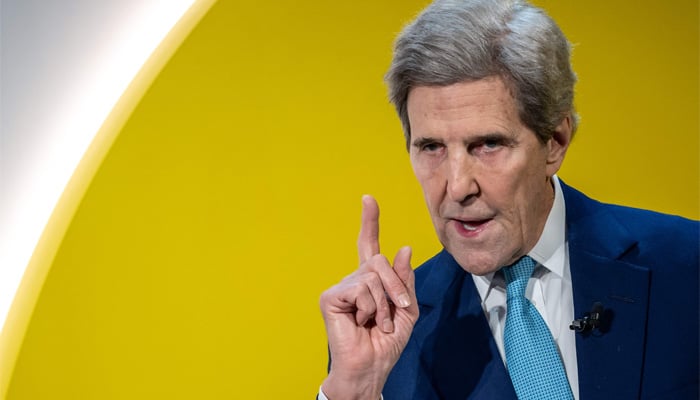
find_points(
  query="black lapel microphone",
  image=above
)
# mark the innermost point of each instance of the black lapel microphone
(596, 319)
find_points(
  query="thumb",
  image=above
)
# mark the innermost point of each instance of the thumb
(402, 267)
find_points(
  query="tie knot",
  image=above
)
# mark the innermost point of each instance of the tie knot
(518, 274)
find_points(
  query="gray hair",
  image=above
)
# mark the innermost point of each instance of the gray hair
(466, 40)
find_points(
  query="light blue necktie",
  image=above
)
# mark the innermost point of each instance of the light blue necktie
(533, 360)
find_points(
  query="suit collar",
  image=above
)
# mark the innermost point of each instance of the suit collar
(593, 228)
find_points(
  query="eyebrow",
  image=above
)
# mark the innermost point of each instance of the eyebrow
(421, 141)
(499, 136)
(493, 136)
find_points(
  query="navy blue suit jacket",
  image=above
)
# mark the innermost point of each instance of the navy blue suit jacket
(642, 266)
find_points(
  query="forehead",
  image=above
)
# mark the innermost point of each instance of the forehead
(483, 104)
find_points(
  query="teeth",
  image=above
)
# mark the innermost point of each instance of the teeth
(468, 227)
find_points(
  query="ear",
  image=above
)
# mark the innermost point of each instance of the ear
(558, 144)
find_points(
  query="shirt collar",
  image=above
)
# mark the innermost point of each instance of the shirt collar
(554, 233)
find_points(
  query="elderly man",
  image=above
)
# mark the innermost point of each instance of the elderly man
(540, 292)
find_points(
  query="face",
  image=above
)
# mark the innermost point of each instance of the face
(485, 176)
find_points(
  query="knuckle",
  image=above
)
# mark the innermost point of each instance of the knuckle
(369, 278)
(379, 259)
(383, 305)
(375, 263)
(327, 298)
(326, 295)
(376, 284)
(395, 286)
(366, 305)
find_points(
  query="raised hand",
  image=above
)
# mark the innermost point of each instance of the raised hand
(369, 316)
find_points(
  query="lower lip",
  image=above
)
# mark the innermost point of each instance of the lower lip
(470, 233)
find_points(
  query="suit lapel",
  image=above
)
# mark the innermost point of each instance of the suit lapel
(458, 355)
(610, 359)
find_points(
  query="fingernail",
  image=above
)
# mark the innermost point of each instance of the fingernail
(404, 301)
(388, 326)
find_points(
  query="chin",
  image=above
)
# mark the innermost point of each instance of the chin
(477, 265)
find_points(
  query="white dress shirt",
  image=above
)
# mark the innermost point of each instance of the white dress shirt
(549, 290)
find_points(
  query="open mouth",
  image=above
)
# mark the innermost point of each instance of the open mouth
(473, 225)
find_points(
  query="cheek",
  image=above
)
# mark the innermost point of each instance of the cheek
(433, 192)
(507, 193)
(429, 182)
(425, 177)
(430, 193)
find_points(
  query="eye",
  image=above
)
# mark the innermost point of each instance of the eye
(429, 146)
(488, 144)
(491, 143)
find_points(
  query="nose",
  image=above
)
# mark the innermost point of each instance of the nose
(461, 178)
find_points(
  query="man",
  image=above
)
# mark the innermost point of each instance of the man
(484, 90)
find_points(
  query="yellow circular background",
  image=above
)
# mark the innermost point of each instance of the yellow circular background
(188, 254)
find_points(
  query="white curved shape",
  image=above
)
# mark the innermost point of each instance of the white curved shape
(63, 66)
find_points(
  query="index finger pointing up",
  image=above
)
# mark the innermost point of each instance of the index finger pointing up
(368, 242)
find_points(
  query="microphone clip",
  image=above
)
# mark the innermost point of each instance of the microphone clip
(590, 321)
